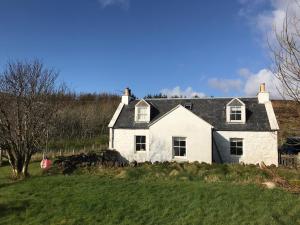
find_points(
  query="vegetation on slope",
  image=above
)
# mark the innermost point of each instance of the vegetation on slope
(288, 117)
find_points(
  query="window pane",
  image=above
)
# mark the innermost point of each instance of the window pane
(138, 147)
(143, 139)
(176, 143)
(238, 117)
(232, 150)
(182, 143)
(138, 139)
(176, 151)
(142, 110)
(239, 143)
(182, 151)
(239, 151)
(143, 147)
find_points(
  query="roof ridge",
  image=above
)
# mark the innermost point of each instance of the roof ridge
(208, 98)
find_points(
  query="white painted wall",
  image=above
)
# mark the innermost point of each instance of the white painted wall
(257, 147)
(181, 123)
(124, 142)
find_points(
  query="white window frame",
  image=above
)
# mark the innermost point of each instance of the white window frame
(236, 146)
(140, 143)
(229, 108)
(179, 146)
(233, 111)
(144, 116)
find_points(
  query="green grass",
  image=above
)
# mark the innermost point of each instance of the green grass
(146, 195)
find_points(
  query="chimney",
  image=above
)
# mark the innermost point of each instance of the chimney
(263, 96)
(126, 98)
(262, 87)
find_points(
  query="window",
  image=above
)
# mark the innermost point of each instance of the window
(188, 105)
(140, 143)
(179, 147)
(236, 146)
(141, 113)
(235, 113)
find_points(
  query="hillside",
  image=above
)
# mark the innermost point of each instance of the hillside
(288, 117)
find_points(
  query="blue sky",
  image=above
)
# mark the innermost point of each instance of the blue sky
(208, 47)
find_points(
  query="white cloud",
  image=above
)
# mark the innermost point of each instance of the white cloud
(244, 72)
(225, 85)
(176, 91)
(248, 84)
(266, 22)
(122, 3)
(251, 85)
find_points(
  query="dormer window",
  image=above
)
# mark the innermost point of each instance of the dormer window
(236, 111)
(142, 112)
(188, 105)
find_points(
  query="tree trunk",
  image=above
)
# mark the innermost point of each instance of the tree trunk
(20, 166)
(25, 166)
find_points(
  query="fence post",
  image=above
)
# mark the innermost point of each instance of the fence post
(0, 157)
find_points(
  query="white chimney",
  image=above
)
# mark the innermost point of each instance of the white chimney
(126, 98)
(263, 96)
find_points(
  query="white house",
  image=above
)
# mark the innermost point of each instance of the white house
(224, 130)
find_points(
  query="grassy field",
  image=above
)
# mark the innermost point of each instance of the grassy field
(219, 194)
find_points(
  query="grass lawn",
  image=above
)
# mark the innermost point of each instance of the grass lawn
(103, 198)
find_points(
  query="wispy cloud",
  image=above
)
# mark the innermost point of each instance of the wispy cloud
(252, 82)
(247, 84)
(121, 3)
(177, 91)
(225, 85)
(266, 22)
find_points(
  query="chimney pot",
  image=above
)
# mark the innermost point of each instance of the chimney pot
(127, 92)
(126, 98)
(262, 87)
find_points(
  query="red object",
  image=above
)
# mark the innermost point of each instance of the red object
(46, 164)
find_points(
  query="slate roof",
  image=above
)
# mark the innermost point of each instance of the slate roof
(212, 110)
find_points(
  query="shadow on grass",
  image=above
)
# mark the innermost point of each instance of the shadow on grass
(3, 185)
(4, 163)
(7, 209)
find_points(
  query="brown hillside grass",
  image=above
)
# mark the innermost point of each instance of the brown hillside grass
(288, 116)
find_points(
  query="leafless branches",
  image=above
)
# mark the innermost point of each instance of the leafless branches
(286, 54)
(28, 103)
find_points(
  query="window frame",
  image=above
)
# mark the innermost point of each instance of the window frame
(236, 147)
(235, 113)
(140, 143)
(145, 114)
(179, 146)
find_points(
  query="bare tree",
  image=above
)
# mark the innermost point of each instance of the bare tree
(28, 103)
(286, 54)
